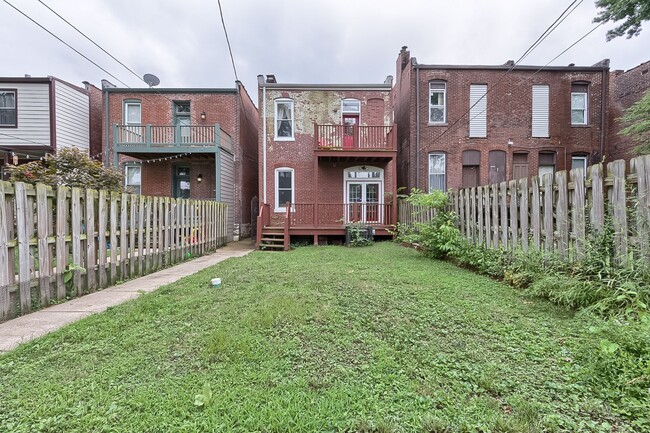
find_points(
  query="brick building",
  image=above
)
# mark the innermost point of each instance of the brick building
(189, 143)
(330, 151)
(465, 125)
(626, 88)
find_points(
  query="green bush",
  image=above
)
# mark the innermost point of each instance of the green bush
(69, 167)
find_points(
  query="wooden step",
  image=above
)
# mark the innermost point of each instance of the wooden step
(272, 240)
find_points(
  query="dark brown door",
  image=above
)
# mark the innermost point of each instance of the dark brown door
(497, 162)
(519, 165)
(470, 176)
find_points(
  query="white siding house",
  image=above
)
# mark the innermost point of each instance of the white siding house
(40, 116)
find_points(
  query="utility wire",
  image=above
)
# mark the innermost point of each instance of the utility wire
(65, 43)
(23, 139)
(530, 49)
(223, 23)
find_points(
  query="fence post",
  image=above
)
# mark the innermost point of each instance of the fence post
(640, 166)
(91, 247)
(548, 213)
(504, 213)
(44, 260)
(578, 210)
(514, 214)
(23, 247)
(618, 201)
(562, 214)
(5, 307)
(523, 212)
(597, 214)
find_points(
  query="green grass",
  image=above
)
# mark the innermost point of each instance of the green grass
(374, 339)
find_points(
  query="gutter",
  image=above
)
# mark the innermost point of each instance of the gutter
(603, 101)
(107, 158)
(264, 142)
(417, 125)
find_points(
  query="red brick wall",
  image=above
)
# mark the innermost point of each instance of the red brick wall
(235, 114)
(509, 117)
(96, 110)
(625, 89)
(322, 107)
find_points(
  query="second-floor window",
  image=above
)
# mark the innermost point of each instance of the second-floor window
(478, 110)
(132, 113)
(579, 104)
(437, 102)
(284, 124)
(540, 111)
(8, 115)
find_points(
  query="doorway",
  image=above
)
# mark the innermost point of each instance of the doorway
(363, 195)
(350, 121)
(497, 163)
(181, 182)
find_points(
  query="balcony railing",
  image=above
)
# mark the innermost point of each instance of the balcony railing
(339, 214)
(166, 136)
(355, 138)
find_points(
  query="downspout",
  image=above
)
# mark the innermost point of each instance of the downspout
(603, 101)
(264, 142)
(106, 141)
(417, 126)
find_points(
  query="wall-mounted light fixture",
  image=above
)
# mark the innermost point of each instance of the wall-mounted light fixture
(510, 142)
(202, 115)
(199, 178)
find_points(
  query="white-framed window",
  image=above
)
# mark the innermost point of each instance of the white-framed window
(284, 188)
(284, 121)
(132, 113)
(437, 172)
(579, 162)
(579, 104)
(437, 102)
(133, 179)
(8, 111)
(350, 106)
(540, 111)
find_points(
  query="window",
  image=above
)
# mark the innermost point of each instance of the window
(579, 162)
(132, 113)
(437, 102)
(437, 172)
(8, 118)
(284, 188)
(478, 110)
(540, 111)
(132, 179)
(284, 119)
(579, 104)
(351, 106)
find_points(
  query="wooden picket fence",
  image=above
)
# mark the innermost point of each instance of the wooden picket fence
(65, 242)
(557, 213)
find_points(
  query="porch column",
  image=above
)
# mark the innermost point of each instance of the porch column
(217, 175)
(116, 161)
(316, 199)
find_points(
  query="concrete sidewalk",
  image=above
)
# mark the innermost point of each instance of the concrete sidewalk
(25, 328)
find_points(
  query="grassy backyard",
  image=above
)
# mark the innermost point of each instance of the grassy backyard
(316, 339)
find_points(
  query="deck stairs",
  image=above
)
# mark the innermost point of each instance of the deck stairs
(272, 238)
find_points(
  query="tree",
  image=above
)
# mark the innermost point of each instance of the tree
(69, 167)
(637, 119)
(632, 11)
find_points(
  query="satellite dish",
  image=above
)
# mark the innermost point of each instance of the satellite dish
(151, 80)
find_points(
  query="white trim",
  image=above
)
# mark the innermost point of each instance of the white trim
(275, 119)
(127, 167)
(585, 110)
(126, 112)
(584, 163)
(343, 111)
(275, 186)
(444, 102)
(444, 174)
(374, 180)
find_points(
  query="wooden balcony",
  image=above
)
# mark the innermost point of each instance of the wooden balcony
(139, 139)
(353, 140)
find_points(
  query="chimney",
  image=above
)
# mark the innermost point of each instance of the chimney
(405, 56)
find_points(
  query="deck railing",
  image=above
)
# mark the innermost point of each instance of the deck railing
(166, 135)
(338, 214)
(355, 137)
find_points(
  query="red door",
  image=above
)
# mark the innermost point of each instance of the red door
(349, 123)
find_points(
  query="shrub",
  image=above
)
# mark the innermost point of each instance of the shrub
(69, 167)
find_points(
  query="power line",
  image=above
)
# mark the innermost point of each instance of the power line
(64, 42)
(530, 49)
(23, 139)
(223, 24)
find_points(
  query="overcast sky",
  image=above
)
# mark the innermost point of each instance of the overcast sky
(304, 41)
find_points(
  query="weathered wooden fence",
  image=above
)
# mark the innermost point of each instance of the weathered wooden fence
(64, 242)
(556, 213)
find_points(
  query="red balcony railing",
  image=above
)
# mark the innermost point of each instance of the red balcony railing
(354, 137)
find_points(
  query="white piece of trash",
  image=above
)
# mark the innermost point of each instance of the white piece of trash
(216, 282)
